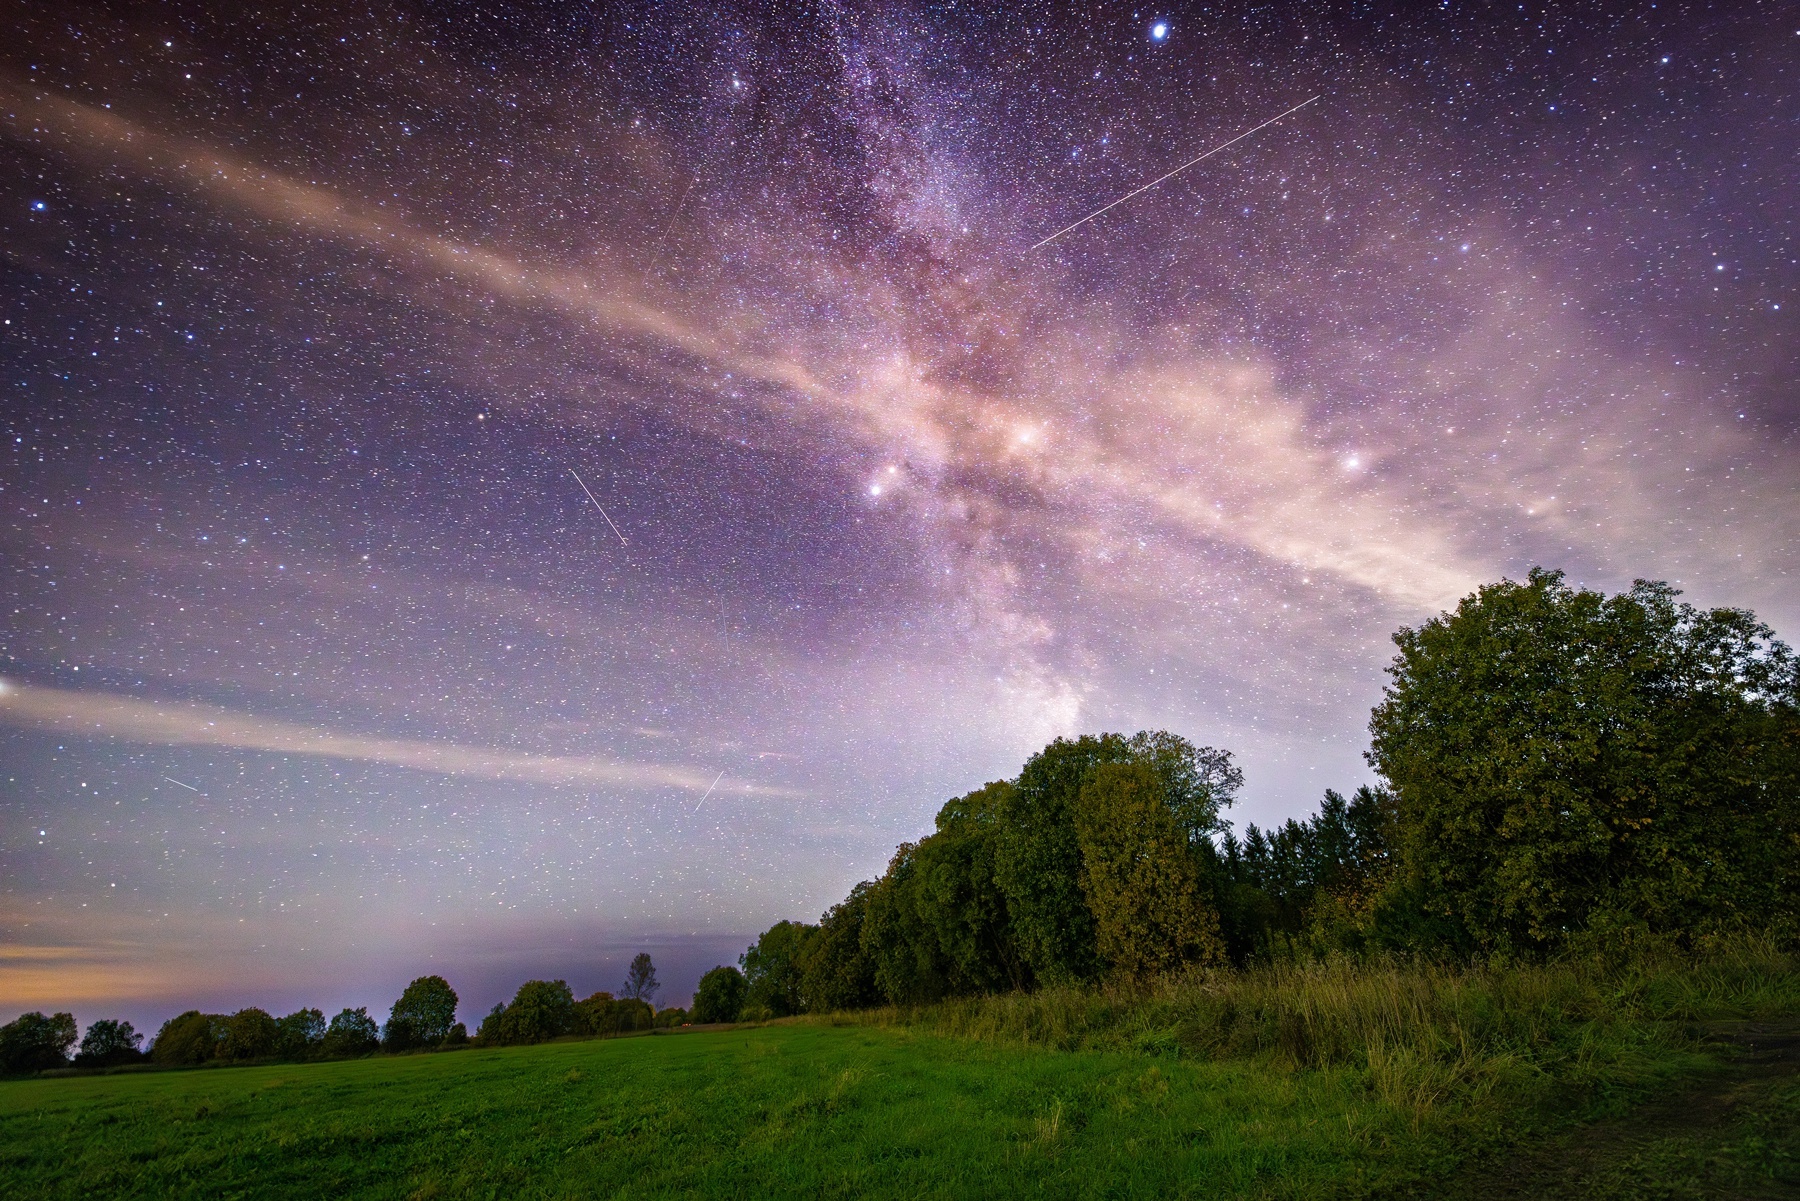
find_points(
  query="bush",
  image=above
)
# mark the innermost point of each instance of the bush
(35, 1043)
(672, 1016)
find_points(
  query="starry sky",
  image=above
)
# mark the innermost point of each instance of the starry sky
(491, 488)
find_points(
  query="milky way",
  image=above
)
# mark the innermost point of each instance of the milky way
(329, 336)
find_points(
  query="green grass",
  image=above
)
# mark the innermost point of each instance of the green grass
(1333, 1079)
(783, 1110)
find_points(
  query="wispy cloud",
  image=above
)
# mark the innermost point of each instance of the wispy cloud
(100, 715)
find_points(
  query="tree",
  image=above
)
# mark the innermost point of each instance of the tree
(109, 1043)
(352, 1032)
(837, 973)
(250, 1034)
(189, 1038)
(773, 968)
(540, 1011)
(958, 895)
(423, 1015)
(720, 996)
(640, 980)
(1138, 875)
(1038, 865)
(908, 964)
(300, 1035)
(1559, 757)
(35, 1043)
(674, 1015)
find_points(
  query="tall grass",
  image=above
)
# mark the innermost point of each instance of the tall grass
(1423, 1032)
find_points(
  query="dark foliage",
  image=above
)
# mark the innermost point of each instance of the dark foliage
(540, 1011)
(774, 968)
(300, 1035)
(108, 1044)
(602, 1013)
(189, 1038)
(352, 1032)
(1560, 758)
(34, 1043)
(422, 1017)
(720, 996)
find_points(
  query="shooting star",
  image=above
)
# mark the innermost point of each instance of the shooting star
(709, 791)
(1177, 171)
(189, 787)
(597, 505)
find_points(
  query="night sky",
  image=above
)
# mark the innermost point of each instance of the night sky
(322, 670)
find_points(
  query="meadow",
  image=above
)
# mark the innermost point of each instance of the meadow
(1333, 1079)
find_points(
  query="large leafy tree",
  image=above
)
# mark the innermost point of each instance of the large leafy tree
(1038, 865)
(957, 898)
(33, 1042)
(351, 1032)
(108, 1043)
(836, 972)
(774, 967)
(720, 996)
(250, 1034)
(1559, 756)
(1139, 875)
(189, 1038)
(423, 1015)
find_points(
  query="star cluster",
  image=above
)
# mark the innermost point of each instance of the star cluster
(492, 488)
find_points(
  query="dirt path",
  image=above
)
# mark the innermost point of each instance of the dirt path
(1734, 1133)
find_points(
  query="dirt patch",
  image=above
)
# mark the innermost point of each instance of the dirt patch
(1731, 1133)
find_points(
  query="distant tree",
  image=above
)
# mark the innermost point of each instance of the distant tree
(541, 1010)
(109, 1043)
(1138, 875)
(35, 1043)
(1560, 757)
(189, 1038)
(720, 996)
(773, 967)
(352, 1032)
(423, 1015)
(640, 979)
(250, 1034)
(301, 1034)
(674, 1015)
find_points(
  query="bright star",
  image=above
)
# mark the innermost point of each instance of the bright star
(1159, 31)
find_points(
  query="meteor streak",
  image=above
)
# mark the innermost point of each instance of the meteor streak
(173, 780)
(709, 791)
(597, 505)
(1171, 175)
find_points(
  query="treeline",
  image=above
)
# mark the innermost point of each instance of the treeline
(1557, 767)
(422, 1019)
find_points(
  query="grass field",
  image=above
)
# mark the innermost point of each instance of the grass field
(1672, 1082)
